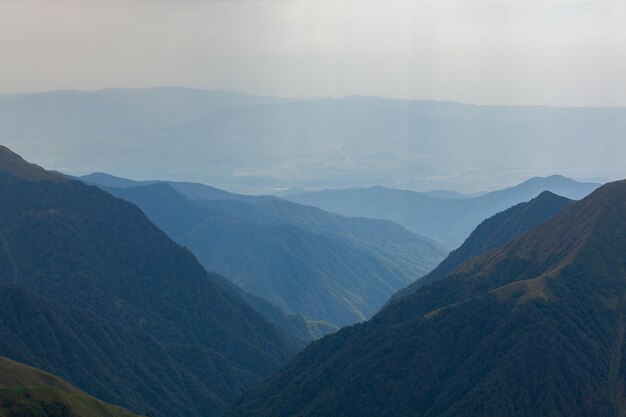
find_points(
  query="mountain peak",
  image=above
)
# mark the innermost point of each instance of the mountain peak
(494, 233)
(547, 194)
(551, 181)
(587, 232)
(13, 165)
(615, 188)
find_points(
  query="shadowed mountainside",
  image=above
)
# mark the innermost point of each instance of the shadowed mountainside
(86, 276)
(533, 328)
(301, 259)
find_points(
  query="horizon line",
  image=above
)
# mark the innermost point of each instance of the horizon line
(310, 98)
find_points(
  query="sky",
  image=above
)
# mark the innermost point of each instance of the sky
(553, 52)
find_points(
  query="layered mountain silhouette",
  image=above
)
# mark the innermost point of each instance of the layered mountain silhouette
(494, 233)
(26, 391)
(95, 293)
(535, 328)
(194, 191)
(449, 221)
(248, 143)
(325, 267)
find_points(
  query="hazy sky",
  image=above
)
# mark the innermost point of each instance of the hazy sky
(559, 52)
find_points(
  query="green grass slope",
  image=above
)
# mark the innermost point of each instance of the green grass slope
(26, 392)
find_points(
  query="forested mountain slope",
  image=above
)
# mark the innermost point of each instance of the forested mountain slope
(532, 329)
(93, 268)
(301, 259)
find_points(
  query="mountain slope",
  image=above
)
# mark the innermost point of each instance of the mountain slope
(79, 246)
(116, 361)
(449, 221)
(167, 208)
(533, 328)
(26, 391)
(15, 167)
(493, 233)
(301, 259)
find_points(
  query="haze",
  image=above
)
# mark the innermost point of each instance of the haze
(554, 52)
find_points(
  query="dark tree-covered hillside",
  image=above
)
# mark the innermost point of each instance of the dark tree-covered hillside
(532, 329)
(118, 308)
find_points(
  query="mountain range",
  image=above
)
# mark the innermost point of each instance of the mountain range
(93, 292)
(253, 144)
(534, 328)
(326, 267)
(448, 221)
(527, 317)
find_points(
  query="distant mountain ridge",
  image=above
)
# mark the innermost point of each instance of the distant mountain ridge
(301, 259)
(448, 221)
(533, 328)
(255, 144)
(191, 190)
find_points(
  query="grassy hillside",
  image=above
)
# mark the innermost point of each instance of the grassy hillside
(29, 392)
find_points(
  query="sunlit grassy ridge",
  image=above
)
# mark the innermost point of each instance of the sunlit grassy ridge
(26, 391)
